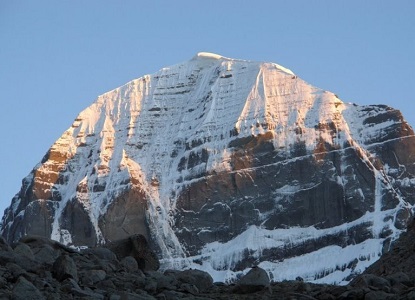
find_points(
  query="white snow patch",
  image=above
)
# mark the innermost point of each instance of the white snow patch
(286, 70)
(208, 55)
(66, 237)
(333, 260)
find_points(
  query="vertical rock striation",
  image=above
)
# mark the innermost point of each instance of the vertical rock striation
(223, 163)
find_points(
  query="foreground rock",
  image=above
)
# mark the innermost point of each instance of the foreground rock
(136, 246)
(255, 280)
(38, 268)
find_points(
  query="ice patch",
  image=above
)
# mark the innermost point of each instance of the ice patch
(66, 237)
(332, 260)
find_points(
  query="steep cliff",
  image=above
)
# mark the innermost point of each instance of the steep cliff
(225, 163)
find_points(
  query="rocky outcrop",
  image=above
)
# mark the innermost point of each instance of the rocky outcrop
(397, 265)
(222, 164)
(136, 246)
(97, 273)
(255, 280)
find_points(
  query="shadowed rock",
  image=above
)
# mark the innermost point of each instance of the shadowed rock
(4, 246)
(35, 241)
(100, 278)
(255, 280)
(401, 257)
(129, 264)
(23, 249)
(137, 247)
(200, 279)
(100, 253)
(64, 267)
(25, 290)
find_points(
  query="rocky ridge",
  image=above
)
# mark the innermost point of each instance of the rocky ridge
(39, 268)
(223, 164)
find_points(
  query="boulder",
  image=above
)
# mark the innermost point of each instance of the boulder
(46, 254)
(101, 253)
(64, 267)
(150, 285)
(94, 276)
(352, 294)
(379, 295)
(200, 279)
(134, 296)
(4, 246)
(129, 264)
(7, 256)
(370, 280)
(24, 250)
(255, 280)
(68, 285)
(410, 295)
(189, 288)
(86, 294)
(15, 271)
(24, 290)
(399, 278)
(35, 241)
(165, 281)
(137, 247)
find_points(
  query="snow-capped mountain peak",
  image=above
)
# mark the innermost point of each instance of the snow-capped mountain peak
(225, 163)
(208, 55)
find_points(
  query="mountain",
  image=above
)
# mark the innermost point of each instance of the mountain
(223, 164)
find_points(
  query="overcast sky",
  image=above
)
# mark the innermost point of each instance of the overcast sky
(56, 57)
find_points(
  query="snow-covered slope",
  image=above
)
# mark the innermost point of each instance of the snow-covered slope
(226, 163)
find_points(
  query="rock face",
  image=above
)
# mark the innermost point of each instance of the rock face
(136, 246)
(398, 264)
(223, 164)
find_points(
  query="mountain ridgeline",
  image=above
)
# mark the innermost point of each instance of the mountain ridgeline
(224, 164)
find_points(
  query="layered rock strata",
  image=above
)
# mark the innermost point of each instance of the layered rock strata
(223, 163)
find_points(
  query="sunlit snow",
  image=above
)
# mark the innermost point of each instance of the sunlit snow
(135, 136)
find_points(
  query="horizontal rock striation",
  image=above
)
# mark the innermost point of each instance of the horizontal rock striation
(224, 163)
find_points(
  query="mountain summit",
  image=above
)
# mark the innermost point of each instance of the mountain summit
(224, 164)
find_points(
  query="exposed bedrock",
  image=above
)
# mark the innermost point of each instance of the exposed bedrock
(221, 164)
